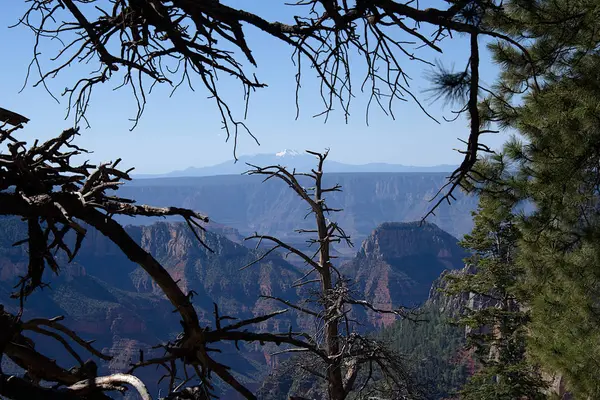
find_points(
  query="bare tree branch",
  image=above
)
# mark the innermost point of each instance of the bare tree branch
(56, 196)
(344, 351)
(148, 42)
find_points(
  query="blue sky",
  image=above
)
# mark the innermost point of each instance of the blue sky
(184, 130)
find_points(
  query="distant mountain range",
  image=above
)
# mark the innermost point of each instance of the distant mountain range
(293, 159)
(248, 205)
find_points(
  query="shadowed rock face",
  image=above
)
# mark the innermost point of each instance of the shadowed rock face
(106, 297)
(398, 262)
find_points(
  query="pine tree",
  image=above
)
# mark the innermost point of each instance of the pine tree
(496, 321)
(560, 247)
(551, 97)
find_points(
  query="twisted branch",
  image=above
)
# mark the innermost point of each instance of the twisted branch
(59, 199)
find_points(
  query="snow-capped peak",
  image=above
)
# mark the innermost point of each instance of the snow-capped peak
(287, 153)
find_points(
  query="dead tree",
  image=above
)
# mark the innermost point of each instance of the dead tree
(143, 43)
(59, 199)
(351, 361)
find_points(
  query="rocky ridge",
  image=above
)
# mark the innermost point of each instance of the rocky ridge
(105, 297)
(398, 262)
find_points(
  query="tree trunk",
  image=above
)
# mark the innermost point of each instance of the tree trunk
(335, 381)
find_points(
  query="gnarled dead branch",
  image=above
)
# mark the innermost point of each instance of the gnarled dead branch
(143, 43)
(61, 201)
(339, 350)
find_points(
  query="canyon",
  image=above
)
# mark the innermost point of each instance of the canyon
(107, 298)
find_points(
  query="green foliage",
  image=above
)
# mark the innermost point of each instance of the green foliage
(496, 321)
(551, 96)
(560, 171)
(434, 351)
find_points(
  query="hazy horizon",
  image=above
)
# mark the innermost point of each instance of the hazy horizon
(330, 158)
